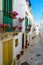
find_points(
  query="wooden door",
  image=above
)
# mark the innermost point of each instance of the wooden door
(22, 41)
(7, 52)
(26, 39)
(10, 49)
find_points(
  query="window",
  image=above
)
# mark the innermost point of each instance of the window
(5, 7)
(26, 22)
(16, 42)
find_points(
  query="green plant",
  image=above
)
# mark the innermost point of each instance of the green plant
(14, 62)
(8, 63)
(18, 63)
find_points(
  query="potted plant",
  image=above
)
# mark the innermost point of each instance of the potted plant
(14, 27)
(21, 19)
(19, 27)
(14, 62)
(18, 63)
(22, 52)
(8, 63)
(13, 14)
(18, 56)
(1, 27)
(28, 29)
(28, 44)
(5, 26)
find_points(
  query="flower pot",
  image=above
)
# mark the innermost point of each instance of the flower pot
(26, 47)
(18, 56)
(19, 27)
(21, 19)
(12, 15)
(28, 44)
(4, 28)
(22, 52)
(14, 27)
(28, 29)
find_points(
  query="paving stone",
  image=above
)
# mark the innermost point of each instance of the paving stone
(34, 53)
(38, 55)
(25, 63)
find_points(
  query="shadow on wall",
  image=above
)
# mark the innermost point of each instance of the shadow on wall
(1, 17)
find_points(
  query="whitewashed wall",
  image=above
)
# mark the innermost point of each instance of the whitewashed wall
(19, 6)
(0, 4)
(0, 11)
(16, 50)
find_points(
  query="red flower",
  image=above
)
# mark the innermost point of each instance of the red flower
(30, 25)
(19, 27)
(14, 27)
(15, 13)
(1, 25)
(7, 25)
(28, 29)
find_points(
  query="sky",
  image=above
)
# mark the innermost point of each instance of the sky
(37, 9)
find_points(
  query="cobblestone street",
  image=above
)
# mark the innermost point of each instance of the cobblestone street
(34, 53)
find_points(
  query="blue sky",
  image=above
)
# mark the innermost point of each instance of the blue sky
(37, 9)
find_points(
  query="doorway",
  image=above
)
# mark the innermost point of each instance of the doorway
(7, 52)
(23, 41)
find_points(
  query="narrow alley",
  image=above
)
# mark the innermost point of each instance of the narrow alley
(21, 32)
(34, 54)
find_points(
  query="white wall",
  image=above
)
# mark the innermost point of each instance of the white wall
(20, 6)
(0, 4)
(16, 50)
(0, 11)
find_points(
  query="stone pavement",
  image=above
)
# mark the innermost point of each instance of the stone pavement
(34, 53)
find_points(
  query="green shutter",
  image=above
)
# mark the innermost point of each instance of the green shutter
(26, 22)
(29, 22)
(7, 7)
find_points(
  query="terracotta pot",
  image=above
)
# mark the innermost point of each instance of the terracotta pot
(19, 27)
(12, 15)
(18, 56)
(28, 29)
(4, 28)
(28, 44)
(25, 47)
(21, 19)
(22, 52)
(14, 27)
